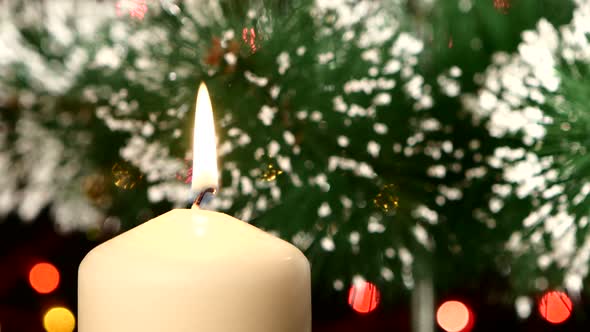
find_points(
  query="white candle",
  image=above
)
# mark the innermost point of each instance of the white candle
(195, 270)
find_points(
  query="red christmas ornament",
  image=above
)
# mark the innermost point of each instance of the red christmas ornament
(502, 5)
(215, 53)
(363, 297)
(189, 175)
(555, 307)
(186, 175)
(249, 37)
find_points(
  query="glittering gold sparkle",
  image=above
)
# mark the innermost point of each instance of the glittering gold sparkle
(387, 199)
(126, 177)
(270, 172)
(95, 187)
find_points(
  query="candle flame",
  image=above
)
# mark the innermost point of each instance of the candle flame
(205, 173)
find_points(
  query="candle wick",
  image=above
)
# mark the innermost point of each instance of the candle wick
(199, 198)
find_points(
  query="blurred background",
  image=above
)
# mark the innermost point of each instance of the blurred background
(429, 157)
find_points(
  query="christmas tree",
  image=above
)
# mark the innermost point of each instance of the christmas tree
(391, 142)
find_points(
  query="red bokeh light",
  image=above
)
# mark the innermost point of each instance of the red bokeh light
(455, 316)
(555, 307)
(44, 278)
(363, 297)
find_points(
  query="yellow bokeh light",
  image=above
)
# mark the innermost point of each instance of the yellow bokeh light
(59, 320)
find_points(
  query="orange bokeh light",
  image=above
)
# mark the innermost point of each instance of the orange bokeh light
(555, 307)
(364, 297)
(44, 278)
(454, 316)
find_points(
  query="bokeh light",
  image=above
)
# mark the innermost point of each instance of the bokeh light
(363, 297)
(44, 278)
(555, 307)
(59, 319)
(523, 306)
(455, 316)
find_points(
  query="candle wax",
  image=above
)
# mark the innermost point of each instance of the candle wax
(198, 271)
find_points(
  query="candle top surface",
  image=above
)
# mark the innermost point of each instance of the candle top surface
(194, 235)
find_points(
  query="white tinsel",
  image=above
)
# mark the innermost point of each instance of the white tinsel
(512, 99)
(37, 171)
